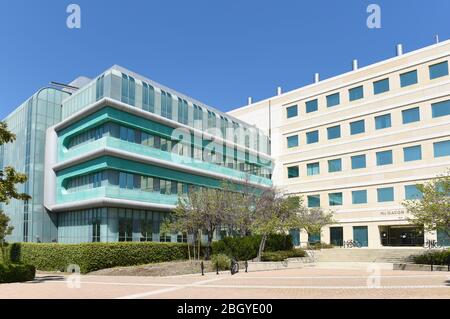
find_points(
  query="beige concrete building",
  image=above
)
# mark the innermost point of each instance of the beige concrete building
(358, 143)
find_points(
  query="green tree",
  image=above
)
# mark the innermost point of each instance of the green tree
(8, 180)
(313, 220)
(273, 213)
(433, 210)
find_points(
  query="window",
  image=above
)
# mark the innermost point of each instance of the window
(99, 87)
(292, 111)
(413, 153)
(384, 158)
(408, 78)
(335, 165)
(293, 172)
(292, 141)
(411, 115)
(166, 105)
(440, 109)
(333, 100)
(412, 192)
(385, 194)
(312, 106)
(198, 117)
(96, 224)
(183, 111)
(382, 121)
(313, 201)
(128, 89)
(212, 119)
(125, 229)
(313, 169)
(438, 70)
(380, 86)
(357, 127)
(148, 98)
(334, 132)
(359, 197)
(358, 161)
(335, 199)
(441, 149)
(312, 137)
(356, 93)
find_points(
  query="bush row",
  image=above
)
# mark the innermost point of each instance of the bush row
(282, 255)
(94, 256)
(246, 248)
(433, 258)
(16, 273)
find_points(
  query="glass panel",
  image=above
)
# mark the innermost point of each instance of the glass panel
(333, 100)
(293, 172)
(383, 121)
(358, 161)
(385, 194)
(384, 158)
(335, 199)
(356, 93)
(311, 106)
(411, 115)
(381, 86)
(438, 70)
(413, 153)
(441, 109)
(357, 127)
(292, 141)
(441, 149)
(335, 165)
(334, 132)
(408, 78)
(412, 192)
(313, 169)
(292, 111)
(312, 137)
(314, 201)
(359, 197)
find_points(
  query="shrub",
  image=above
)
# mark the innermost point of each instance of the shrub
(16, 273)
(433, 258)
(222, 260)
(282, 255)
(246, 248)
(95, 256)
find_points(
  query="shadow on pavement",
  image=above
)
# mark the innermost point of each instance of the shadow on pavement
(46, 278)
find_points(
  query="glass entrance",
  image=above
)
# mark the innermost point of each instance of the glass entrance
(336, 236)
(360, 234)
(408, 236)
(295, 234)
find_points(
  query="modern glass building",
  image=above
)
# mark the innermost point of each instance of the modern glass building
(107, 162)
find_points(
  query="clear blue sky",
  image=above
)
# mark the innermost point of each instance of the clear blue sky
(217, 51)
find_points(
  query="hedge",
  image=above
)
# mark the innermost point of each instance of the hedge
(246, 248)
(433, 258)
(16, 273)
(282, 255)
(94, 256)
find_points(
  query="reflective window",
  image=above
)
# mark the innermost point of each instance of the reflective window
(385, 194)
(312, 106)
(412, 192)
(441, 149)
(438, 70)
(312, 137)
(384, 158)
(333, 100)
(413, 153)
(381, 86)
(356, 93)
(358, 161)
(357, 127)
(335, 199)
(313, 201)
(292, 111)
(411, 115)
(408, 78)
(359, 197)
(440, 109)
(335, 165)
(382, 121)
(292, 141)
(334, 132)
(313, 169)
(293, 172)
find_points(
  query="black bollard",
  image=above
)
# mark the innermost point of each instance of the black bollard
(203, 268)
(217, 267)
(246, 266)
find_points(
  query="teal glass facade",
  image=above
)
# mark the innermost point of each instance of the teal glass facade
(117, 154)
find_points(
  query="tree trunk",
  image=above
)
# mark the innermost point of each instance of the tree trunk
(262, 244)
(208, 247)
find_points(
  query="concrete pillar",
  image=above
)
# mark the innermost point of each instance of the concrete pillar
(374, 236)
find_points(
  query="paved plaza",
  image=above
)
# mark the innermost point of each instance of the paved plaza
(314, 282)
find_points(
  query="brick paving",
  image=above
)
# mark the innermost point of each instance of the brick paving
(289, 283)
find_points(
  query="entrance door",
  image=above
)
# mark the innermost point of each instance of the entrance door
(360, 234)
(336, 236)
(295, 234)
